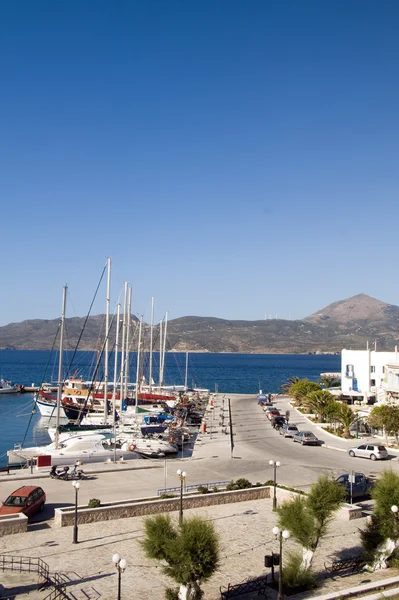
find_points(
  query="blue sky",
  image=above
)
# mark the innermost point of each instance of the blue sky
(235, 159)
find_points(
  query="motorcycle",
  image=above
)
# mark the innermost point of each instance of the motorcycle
(54, 474)
(65, 475)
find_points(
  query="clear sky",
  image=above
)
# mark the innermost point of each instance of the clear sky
(235, 158)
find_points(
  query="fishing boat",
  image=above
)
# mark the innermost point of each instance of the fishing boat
(6, 387)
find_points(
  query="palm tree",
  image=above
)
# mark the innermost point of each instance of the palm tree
(346, 417)
(191, 551)
(320, 402)
(329, 382)
(301, 388)
(290, 381)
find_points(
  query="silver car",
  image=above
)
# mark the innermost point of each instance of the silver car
(372, 451)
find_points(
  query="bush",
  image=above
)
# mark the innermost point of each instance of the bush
(171, 593)
(164, 496)
(203, 489)
(295, 578)
(240, 484)
(94, 503)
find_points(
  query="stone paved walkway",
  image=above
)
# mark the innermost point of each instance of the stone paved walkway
(246, 536)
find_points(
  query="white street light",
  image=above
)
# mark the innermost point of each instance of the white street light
(281, 535)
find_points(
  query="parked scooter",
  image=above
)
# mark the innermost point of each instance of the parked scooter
(65, 475)
(54, 474)
(77, 473)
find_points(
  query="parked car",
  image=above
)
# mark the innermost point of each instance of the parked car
(272, 412)
(305, 437)
(361, 486)
(372, 451)
(288, 430)
(278, 421)
(27, 499)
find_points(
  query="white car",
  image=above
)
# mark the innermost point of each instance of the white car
(372, 451)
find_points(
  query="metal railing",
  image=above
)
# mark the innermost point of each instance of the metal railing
(35, 565)
(190, 488)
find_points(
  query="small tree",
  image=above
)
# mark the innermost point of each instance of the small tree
(346, 417)
(307, 518)
(302, 388)
(290, 381)
(319, 401)
(385, 417)
(381, 536)
(191, 552)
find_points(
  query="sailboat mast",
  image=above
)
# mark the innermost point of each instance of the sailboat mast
(118, 312)
(186, 375)
(160, 354)
(128, 326)
(123, 343)
(106, 353)
(138, 363)
(164, 346)
(151, 335)
(60, 363)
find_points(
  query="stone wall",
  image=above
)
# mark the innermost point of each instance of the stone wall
(139, 507)
(133, 508)
(9, 524)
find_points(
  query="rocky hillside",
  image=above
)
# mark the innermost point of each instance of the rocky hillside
(348, 323)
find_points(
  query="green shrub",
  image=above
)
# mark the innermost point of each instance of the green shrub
(243, 484)
(171, 593)
(165, 496)
(269, 482)
(94, 503)
(203, 489)
(295, 578)
(215, 489)
(231, 485)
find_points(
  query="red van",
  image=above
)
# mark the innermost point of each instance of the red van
(27, 499)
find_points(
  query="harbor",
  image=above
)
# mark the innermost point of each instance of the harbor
(244, 527)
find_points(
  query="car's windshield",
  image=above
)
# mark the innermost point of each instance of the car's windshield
(15, 501)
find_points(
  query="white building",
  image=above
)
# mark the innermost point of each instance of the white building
(370, 373)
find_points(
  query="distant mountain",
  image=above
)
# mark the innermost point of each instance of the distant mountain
(356, 308)
(349, 323)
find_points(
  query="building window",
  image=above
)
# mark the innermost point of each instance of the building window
(349, 370)
(372, 369)
(383, 369)
(372, 382)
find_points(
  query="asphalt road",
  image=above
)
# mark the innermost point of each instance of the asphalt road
(255, 443)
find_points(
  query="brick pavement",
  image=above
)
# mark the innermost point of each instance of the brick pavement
(244, 528)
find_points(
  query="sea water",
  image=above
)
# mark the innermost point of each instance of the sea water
(225, 373)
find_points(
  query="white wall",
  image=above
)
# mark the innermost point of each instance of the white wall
(367, 365)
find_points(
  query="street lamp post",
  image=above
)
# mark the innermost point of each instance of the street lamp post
(281, 535)
(182, 476)
(395, 510)
(275, 465)
(76, 485)
(120, 564)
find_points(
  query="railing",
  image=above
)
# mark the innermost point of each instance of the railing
(35, 565)
(190, 488)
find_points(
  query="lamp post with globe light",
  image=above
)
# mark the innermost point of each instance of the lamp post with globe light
(76, 485)
(275, 465)
(281, 534)
(182, 476)
(120, 564)
(395, 510)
